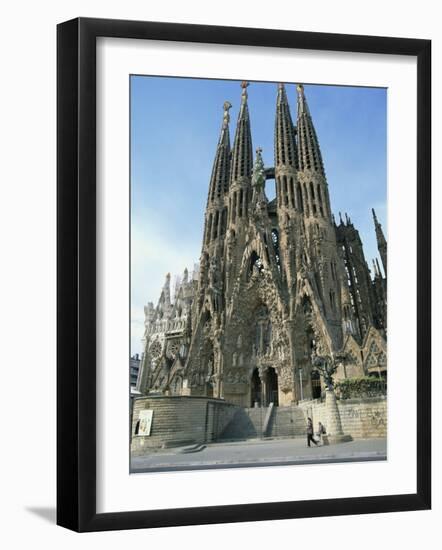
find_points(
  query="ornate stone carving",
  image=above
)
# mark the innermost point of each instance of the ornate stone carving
(156, 349)
(226, 117)
(285, 376)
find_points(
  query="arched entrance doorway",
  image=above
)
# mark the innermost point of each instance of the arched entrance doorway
(255, 389)
(316, 385)
(272, 387)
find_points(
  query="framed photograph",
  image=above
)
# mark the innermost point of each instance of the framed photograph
(230, 347)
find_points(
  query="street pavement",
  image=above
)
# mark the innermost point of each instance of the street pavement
(259, 453)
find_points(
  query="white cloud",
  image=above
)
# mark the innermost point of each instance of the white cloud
(152, 257)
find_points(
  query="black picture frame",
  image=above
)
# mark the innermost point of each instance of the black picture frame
(76, 274)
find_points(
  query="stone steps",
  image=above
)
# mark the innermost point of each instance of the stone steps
(287, 422)
(246, 424)
(250, 423)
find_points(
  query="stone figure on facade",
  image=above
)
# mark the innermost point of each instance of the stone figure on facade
(215, 283)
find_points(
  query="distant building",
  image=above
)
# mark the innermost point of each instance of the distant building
(134, 363)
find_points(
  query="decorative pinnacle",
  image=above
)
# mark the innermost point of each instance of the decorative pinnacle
(244, 86)
(302, 102)
(282, 97)
(226, 106)
(374, 216)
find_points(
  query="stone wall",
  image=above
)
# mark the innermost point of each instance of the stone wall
(360, 418)
(180, 420)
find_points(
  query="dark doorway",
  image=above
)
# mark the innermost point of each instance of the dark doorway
(272, 387)
(316, 385)
(255, 389)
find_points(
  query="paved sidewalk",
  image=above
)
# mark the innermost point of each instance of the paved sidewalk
(260, 453)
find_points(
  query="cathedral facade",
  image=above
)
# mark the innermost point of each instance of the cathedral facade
(278, 282)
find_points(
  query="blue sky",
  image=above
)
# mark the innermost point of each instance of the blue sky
(175, 125)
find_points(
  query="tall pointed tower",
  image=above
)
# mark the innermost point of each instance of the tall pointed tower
(314, 184)
(216, 210)
(357, 276)
(240, 190)
(204, 361)
(320, 239)
(215, 221)
(288, 191)
(382, 243)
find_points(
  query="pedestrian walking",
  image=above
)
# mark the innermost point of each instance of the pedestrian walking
(310, 432)
(321, 431)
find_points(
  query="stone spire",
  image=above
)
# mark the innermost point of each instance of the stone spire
(382, 243)
(242, 153)
(309, 153)
(288, 191)
(166, 301)
(315, 195)
(219, 181)
(285, 143)
(357, 275)
(216, 211)
(240, 192)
